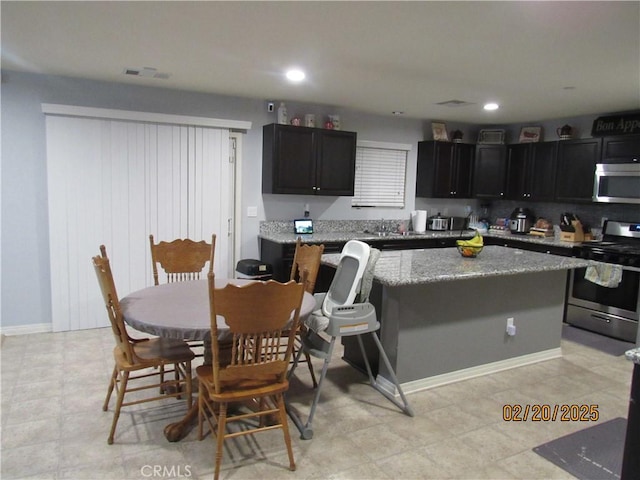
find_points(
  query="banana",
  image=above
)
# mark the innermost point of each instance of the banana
(476, 241)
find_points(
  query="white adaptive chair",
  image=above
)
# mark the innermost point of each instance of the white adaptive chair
(338, 316)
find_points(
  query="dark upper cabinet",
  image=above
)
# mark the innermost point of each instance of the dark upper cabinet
(576, 169)
(621, 149)
(531, 171)
(307, 161)
(444, 169)
(490, 171)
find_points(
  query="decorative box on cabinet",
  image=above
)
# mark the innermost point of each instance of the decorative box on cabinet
(531, 171)
(307, 161)
(576, 169)
(490, 171)
(444, 169)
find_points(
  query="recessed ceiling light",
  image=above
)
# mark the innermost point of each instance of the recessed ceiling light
(397, 113)
(491, 106)
(295, 75)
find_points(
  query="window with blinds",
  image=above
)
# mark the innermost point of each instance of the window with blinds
(380, 175)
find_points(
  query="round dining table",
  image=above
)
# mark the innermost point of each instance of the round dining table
(180, 310)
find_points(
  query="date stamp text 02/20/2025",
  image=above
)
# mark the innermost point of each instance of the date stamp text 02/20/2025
(550, 413)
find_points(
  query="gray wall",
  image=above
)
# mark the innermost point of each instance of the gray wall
(25, 291)
(24, 246)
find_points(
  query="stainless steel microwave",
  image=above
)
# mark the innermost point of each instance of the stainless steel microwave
(617, 183)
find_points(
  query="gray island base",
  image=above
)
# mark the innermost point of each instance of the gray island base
(444, 317)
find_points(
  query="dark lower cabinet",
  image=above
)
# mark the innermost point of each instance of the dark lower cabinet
(280, 255)
(576, 169)
(530, 246)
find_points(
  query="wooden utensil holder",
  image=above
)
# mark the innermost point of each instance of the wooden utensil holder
(575, 236)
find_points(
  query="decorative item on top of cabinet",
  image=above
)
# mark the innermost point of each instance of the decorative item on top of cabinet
(456, 136)
(565, 132)
(439, 131)
(622, 124)
(490, 171)
(531, 171)
(282, 114)
(491, 137)
(530, 134)
(576, 169)
(444, 169)
(308, 161)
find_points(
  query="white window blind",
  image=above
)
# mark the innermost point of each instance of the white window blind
(114, 182)
(380, 175)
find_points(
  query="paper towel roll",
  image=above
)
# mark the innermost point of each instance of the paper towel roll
(419, 220)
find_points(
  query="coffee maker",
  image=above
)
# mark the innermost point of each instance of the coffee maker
(521, 220)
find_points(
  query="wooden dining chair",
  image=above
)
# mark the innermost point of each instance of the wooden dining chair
(146, 358)
(182, 260)
(254, 370)
(306, 258)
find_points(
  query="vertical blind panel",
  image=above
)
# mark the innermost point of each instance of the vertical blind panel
(380, 177)
(114, 182)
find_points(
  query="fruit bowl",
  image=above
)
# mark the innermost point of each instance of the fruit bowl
(469, 251)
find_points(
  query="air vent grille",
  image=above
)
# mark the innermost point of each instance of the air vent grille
(146, 72)
(455, 103)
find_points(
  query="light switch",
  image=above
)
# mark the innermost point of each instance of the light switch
(252, 211)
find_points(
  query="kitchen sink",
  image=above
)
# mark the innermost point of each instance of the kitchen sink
(383, 234)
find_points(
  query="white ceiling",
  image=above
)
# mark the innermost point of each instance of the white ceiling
(375, 57)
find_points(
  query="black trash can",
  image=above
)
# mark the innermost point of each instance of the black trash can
(254, 269)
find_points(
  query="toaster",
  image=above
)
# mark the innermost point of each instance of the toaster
(458, 223)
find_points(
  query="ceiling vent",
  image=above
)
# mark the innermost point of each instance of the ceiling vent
(146, 72)
(455, 103)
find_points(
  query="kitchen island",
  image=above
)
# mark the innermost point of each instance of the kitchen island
(277, 242)
(444, 317)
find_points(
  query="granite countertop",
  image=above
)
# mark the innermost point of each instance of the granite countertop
(322, 237)
(419, 266)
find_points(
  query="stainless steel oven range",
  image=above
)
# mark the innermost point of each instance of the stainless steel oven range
(605, 298)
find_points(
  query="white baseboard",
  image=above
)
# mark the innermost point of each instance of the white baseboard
(27, 329)
(468, 373)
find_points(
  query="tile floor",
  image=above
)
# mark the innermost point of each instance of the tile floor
(53, 426)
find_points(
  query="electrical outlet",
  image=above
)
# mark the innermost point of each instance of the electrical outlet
(270, 107)
(511, 328)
